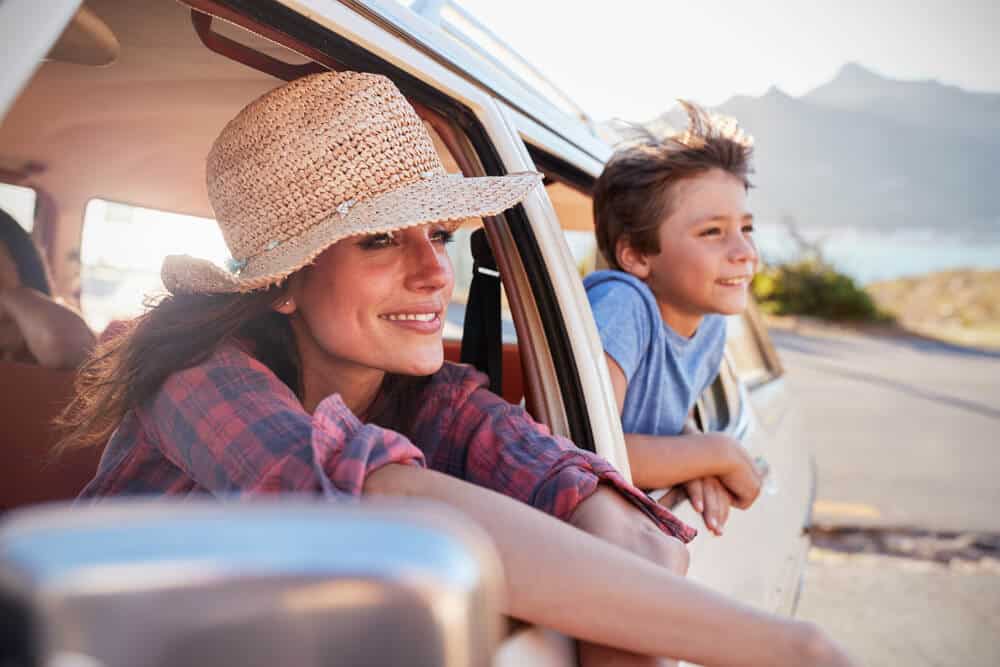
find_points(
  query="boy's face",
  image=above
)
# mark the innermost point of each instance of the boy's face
(707, 254)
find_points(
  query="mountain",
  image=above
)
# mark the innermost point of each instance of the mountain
(927, 104)
(870, 151)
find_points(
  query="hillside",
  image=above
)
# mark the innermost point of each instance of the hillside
(870, 151)
(961, 306)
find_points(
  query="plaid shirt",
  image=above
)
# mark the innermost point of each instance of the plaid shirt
(229, 425)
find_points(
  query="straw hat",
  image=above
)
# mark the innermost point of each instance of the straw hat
(320, 159)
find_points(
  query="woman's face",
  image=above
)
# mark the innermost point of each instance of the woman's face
(375, 303)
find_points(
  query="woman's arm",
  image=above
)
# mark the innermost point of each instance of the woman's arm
(55, 334)
(565, 579)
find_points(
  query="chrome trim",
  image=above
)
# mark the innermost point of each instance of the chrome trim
(421, 34)
(290, 580)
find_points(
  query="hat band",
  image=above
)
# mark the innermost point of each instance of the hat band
(235, 267)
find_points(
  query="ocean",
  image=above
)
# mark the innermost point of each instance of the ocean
(883, 254)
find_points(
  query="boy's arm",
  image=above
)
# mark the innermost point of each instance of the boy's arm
(660, 461)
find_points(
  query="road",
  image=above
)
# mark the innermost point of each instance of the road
(907, 430)
(907, 440)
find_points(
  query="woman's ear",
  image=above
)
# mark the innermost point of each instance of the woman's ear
(285, 304)
(631, 260)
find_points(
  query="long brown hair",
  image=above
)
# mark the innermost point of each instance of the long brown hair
(177, 332)
(180, 331)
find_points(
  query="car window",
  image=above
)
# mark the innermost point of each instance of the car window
(575, 213)
(19, 202)
(462, 262)
(122, 250)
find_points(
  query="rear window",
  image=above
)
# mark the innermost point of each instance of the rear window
(122, 250)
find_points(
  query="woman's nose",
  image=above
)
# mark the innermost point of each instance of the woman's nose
(429, 267)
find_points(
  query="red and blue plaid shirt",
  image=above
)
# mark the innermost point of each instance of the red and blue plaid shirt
(230, 426)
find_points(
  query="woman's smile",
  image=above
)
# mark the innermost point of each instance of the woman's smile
(422, 319)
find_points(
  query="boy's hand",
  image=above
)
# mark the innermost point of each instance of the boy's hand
(709, 497)
(741, 478)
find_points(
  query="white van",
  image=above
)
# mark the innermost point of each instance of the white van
(109, 107)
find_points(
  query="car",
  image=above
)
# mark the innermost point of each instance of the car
(107, 135)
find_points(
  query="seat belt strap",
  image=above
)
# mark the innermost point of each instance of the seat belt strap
(482, 344)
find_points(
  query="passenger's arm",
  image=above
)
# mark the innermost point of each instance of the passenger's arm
(567, 580)
(54, 333)
(494, 444)
(661, 461)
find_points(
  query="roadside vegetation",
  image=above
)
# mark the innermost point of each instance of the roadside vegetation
(960, 306)
(809, 285)
(814, 288)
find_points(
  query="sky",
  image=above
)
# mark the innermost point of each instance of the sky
(631, 58)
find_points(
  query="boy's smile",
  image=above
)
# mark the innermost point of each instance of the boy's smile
(707, 254)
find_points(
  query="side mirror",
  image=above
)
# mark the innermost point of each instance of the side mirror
(265, 582)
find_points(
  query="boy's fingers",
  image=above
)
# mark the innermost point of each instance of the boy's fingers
(696, 492)
(727, 500)
(712, 512)
(723, 499)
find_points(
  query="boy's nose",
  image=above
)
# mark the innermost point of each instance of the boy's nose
(743, 249)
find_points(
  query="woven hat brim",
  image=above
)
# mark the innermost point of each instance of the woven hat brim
(444, 199)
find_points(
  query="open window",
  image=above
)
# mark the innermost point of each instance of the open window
(19, 202)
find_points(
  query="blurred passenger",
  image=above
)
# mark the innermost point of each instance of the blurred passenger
(34, 326)
(315, 364)
(672, 222)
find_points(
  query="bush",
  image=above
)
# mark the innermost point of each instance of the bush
(812, 287)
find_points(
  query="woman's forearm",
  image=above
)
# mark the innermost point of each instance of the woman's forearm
(659, 461)
(565, 579)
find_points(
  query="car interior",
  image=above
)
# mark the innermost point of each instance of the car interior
(123, 111)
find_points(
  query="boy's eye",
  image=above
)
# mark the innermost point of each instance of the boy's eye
(711, 231)
(748, 229)
(376, 241)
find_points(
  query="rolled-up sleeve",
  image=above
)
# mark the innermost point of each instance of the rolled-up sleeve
(234, 427)
(497, 445)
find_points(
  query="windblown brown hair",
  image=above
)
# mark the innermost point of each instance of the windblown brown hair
(178, 332)
(181, 331)
(632, 196)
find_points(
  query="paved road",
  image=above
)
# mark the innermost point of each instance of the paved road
(907, 436)
(908, 430)
(894, 612)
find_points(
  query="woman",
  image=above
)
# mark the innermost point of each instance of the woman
(34, 327)
(315, 364)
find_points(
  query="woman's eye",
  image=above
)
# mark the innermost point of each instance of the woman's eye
(748, 229)
(711, 231)
(443, 236)
(376, 241)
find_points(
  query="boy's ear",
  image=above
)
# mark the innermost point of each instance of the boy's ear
(631, 260)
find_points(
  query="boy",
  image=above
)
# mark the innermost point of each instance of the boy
(672, 223)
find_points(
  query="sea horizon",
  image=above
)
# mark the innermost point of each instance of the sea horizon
(886, 253)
